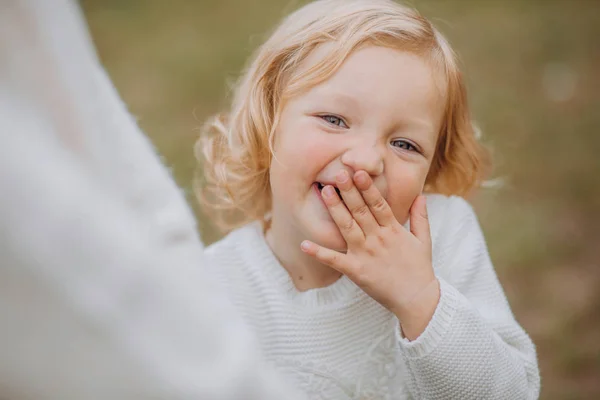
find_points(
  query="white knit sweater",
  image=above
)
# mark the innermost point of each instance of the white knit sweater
(338, 343)
(101, 293)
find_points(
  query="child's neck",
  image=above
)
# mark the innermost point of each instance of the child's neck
(305, 272)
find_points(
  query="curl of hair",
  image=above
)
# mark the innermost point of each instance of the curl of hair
(236, 149)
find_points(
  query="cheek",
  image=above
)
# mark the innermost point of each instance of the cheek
(304, 149)
(301, 151)
(319, 150)
(405, 185)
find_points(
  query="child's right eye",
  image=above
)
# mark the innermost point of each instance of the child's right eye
(332, 119)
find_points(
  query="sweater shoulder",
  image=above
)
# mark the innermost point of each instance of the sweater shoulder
(447, 211)
(231, 241)
(226, 243)
(455, 231)
(228, 256)
(459, 248)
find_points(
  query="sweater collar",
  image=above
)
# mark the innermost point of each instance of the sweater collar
(340, 292)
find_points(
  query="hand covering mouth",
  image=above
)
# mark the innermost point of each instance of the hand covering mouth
(322, 185)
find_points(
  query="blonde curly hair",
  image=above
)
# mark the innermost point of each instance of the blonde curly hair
(236, 148)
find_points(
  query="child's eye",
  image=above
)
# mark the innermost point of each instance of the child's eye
(403, 144)
(332, 119)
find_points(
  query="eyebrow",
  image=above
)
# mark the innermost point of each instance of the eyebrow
(339, 98)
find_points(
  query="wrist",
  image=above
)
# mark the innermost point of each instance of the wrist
(415, 315)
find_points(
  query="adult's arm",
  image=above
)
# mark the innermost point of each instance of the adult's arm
(102, 293)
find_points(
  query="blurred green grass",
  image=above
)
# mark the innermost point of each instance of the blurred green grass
(533, 71)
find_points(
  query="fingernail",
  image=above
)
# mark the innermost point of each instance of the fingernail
(360, 178)
(342, 176)
(328, 191)
(305, 245)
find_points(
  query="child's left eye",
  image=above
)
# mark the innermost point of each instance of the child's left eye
(403, 144)
(332, 119)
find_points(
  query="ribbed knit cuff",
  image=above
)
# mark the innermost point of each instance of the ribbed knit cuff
(435, 331)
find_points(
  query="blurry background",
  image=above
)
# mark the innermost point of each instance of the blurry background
(533, 69)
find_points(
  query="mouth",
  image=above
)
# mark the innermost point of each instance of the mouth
(320, 187)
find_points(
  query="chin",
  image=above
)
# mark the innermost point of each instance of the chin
(327, 234)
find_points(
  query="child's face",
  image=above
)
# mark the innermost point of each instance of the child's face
(380, 112)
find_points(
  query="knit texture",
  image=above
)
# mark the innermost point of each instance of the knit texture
(101, 296)
(338, 343)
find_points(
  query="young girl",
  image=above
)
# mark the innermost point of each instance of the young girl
(361, 272)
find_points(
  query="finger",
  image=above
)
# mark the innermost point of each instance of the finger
(355, 203)
(419, 220)
(349, 228)
(377, 204)
(332, 258)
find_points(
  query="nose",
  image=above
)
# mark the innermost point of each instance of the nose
(365, 157)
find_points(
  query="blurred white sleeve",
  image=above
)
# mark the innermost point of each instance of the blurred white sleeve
(102, 294)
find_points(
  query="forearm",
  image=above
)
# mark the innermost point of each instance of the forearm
(459, 355)
(102, 291)
(91, 307)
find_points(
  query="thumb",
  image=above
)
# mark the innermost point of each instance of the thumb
(419, 220)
